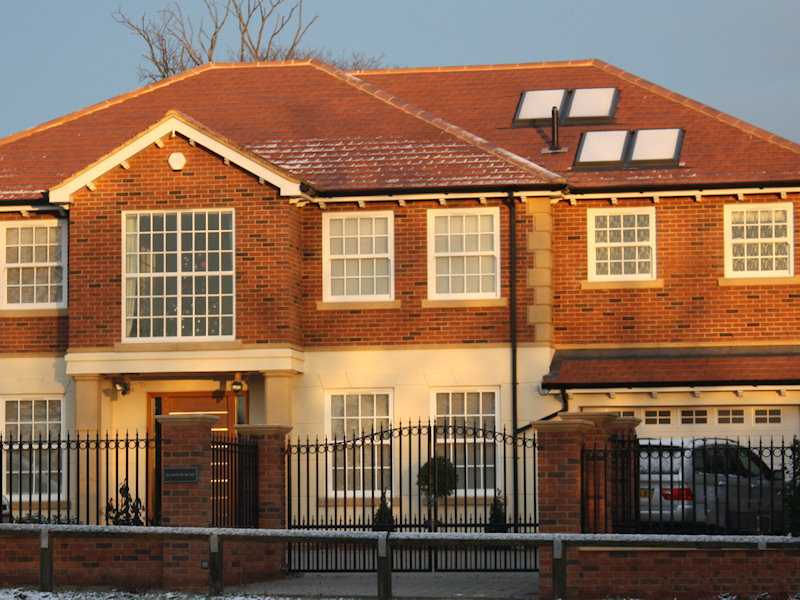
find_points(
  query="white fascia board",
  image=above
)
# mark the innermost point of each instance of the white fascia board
(284, 360)
(61, 193)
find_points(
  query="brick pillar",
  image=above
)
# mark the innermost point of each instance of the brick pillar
(186, 452)
(271, 472)
(559, 493)
(186, 446)
(596, 469)
(563, 475)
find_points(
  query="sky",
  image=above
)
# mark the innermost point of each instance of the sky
(739, 56)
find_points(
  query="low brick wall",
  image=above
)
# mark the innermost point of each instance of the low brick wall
(684, 574)
(129, 561)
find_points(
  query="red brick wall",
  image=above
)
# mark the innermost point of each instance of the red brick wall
(125, 563)
(132, 563)
(680, 574)
(26, 334)
(267, 243)
(691, 307)
(413, 324)
(19, 564)
(278, 260)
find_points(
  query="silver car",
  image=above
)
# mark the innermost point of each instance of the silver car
(708, 484)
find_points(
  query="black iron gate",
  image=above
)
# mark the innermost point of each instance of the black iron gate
(234, 482)
(424, 477)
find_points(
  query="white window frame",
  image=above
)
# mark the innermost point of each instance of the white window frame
(730, 416)
(354, 262)
(730, 241)
(451, 440)
(489, 253)
(593, 245)
(134, 278)
(44, 265)
(694, 416)
(352, 453)
(55, 429)
(657, 416)
(767, 415)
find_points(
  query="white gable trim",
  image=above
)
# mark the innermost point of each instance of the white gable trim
(61, 193)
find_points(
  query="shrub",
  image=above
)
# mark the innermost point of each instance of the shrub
(128, 511)
(383, 519)
(497, 515)
(437, 478)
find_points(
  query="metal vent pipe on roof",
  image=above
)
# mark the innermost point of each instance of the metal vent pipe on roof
(554, 128)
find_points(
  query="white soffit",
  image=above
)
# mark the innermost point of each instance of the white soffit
(60, 194)
(660, 145)
(592, 103)
(602, 147)
(538, 104)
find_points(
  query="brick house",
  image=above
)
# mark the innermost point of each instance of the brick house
(284, 243)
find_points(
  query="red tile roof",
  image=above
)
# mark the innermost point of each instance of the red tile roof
(404, 129)
(666, 371)
(330, 129)
(717, 148)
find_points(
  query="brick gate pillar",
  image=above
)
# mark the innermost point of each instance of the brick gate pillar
(186, 470)
(186, 496)
(565, 479)
(271, 441)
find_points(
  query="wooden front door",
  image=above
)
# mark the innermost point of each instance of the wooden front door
(228, 406)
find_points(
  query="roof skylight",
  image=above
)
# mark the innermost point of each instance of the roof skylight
(592, 103)
(602, 147)
(538, 104)
(640, 148)
(656, 145)
(582, 104)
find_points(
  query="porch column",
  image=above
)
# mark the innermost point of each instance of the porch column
(277, 399)
(88, 404)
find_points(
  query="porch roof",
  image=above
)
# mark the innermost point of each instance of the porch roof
(694, 367)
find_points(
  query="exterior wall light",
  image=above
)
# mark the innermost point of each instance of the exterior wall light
(237, 386)
(122, 387)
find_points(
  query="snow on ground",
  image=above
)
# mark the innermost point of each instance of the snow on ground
(29, 594)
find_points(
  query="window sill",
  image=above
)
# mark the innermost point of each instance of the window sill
(477, 303)
(629, 285)
(151, 346)
(741, 281)
(376, 305)
(33, 312)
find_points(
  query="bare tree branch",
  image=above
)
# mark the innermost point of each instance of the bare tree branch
(175, 44)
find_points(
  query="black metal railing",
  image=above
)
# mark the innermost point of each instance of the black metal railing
(699, 485)
(423, 477)
(80, 479)
(234, 482)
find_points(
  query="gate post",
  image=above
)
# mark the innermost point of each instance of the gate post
(560, 444)
(186, 470)
(186, 495)
(271, 440)
(562, 505)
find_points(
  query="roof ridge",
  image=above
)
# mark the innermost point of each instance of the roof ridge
(445, 126)
(487, 67)
(140, 91)
(705, 109)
